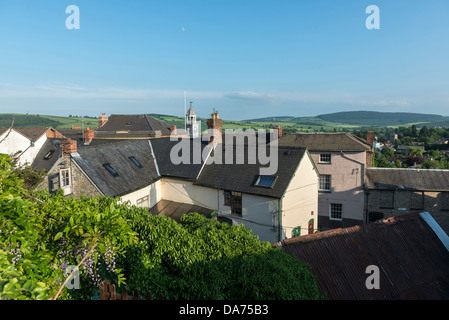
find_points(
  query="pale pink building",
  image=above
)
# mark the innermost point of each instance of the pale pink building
(341, 160)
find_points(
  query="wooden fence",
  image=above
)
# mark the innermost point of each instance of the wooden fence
(108, 291)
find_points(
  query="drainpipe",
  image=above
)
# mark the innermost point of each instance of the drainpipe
(279, 220)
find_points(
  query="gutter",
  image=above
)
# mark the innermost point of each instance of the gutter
(444, 238)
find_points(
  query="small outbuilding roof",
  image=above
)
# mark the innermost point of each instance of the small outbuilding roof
(407, 179)
(411, 260)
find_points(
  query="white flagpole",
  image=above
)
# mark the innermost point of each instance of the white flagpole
(185, 110)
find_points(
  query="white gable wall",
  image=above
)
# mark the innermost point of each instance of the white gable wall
(16, 142)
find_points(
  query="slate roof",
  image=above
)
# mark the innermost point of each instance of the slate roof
(137, 124)
(242, 177)
(162, 148)
(130, 178)
(325, 142)
(412, 260)
(175, 210)
(32, 133)
(407, 179)
(41, 162)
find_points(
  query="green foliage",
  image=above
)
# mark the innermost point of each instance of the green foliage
(31, 177)
(199, 258)
(42, 234)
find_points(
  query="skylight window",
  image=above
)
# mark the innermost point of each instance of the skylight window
(137, 163)
(265, 181)
(49, 154)
(110, 169)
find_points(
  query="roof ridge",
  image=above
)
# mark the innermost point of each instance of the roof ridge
(340, 231)
(18, 130)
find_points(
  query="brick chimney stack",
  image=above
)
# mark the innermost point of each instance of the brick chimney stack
(89, 134)
(68, 146)
(102, 119)
(279, 129)
(217, 125)
(370, 138)
(173, 129)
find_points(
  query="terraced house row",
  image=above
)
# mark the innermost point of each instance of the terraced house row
(323, 181)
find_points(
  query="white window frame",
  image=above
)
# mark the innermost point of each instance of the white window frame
(66, 187)
(329, 182)
(142, 201)
(331, 211)
(325, 155)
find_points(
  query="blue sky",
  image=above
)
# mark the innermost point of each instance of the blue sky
(248, 59)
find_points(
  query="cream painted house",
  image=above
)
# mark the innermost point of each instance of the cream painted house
(275, 207)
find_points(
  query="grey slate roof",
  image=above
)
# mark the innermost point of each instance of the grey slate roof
(162, 148)
(40, 162)
(242, 177)
(407, 179)
(32, 133)
(136, 124)
(131, 178)
(175, 210)
(325, 142)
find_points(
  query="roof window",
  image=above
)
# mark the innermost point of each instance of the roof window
(137, 163)
(111, 170)
(265, 181)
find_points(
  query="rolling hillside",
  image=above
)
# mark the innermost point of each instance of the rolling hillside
(340, 121)
(353, 119)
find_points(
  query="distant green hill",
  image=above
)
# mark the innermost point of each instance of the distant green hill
(366, 118)
(33, 120)
(352, 119)
(339, 121)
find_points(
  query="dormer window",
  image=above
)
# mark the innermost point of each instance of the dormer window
(49, 155)
(129, 123)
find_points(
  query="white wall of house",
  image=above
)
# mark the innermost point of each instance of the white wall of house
(300, 202)
(186, 192)
(260, 214)
(257, 211)
(16, 142)
(153, 192)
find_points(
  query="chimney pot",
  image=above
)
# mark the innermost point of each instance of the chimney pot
(102, 119)
(68, 146)
(89, 134)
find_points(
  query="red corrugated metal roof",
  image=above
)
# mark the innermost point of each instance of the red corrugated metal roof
(412, 261)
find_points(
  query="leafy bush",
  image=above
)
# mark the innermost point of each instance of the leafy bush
(197, 258)
(200, 258)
